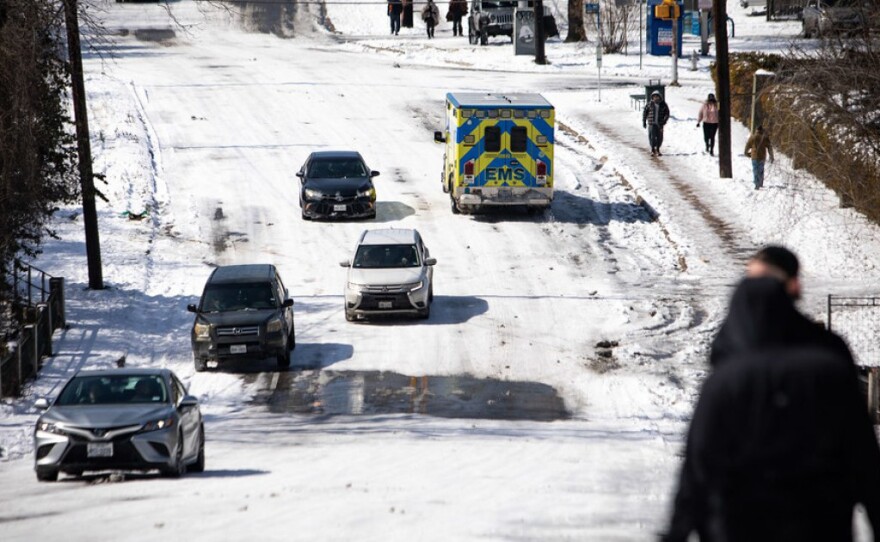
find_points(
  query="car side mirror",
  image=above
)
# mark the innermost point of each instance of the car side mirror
(431, 261)
(188, 401)
(345, 263)
(438, 137)
(374, 173)
(192, 308)
(299, 174)
(41, 404)
(288, 302)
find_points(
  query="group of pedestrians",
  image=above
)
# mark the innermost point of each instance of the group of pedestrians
(780, 445)
(656, 114)
(430, 15)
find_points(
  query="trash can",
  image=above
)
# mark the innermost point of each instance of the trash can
(655, 84)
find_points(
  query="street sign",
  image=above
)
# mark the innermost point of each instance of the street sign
(591, 8)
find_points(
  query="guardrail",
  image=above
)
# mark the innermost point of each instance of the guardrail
(40, 299)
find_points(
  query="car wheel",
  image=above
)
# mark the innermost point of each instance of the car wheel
(425, 313)
(283, 360)
(431, 293)
(349, 316)
(178, 468)
(47, 475)
(371, 216)
(199, 464)
(291, 340)
(200, 364)
(454, 205)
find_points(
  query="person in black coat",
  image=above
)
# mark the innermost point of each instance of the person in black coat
(780, 447)
(654, 118)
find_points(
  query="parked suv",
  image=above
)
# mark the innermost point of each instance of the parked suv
(244, 313)
(495, 18)
(391, 272)
(823, 17)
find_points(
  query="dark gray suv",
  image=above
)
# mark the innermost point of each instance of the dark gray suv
(244, 313)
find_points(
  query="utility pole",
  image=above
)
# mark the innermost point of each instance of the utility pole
(674, 11)
(84, 149)
(539, 33)
(722, 66)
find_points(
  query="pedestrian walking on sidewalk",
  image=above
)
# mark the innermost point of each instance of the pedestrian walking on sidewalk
(709, 117)
(457, 10)
(431, 16)
(758, 147)
(395, 8)
(654, 118)
(780, 447)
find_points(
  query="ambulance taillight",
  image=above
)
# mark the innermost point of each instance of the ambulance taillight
(469, 172)
(541, 172)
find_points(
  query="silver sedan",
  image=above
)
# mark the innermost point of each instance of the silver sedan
(120, 419)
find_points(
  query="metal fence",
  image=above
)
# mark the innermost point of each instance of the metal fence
(39, 299)
(857, 320)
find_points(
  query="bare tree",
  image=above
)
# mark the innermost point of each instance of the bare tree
(825, 113)
(576, 30)
(618, 21)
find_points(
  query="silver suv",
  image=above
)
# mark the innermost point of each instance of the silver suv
(391, 272)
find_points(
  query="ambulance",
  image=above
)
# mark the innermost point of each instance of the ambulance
(499, 151)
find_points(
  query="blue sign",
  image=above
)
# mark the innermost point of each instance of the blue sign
(659, 32)
(591, 8)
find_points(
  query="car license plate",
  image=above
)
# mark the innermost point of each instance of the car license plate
(385, 304)
(99, 449)
(238, 349)
(339, 207)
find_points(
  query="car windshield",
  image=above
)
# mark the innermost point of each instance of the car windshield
(238, 297)
(386, 256)
(510, 4)
(337, 168)
(112, 390)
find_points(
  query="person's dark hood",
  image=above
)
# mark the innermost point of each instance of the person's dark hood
(761, 315)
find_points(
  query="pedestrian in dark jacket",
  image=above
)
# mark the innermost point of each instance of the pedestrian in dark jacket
(654, 118)
(758, 147)
(708, 115)
(754, 313)
(431, 16)
(780, 447)
(395, 8)
(457, 10)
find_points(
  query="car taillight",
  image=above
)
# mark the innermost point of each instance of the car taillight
(469, 167)
(541, 169)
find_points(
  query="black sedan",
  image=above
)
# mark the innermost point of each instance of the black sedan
(336, 184)
(120, 419)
